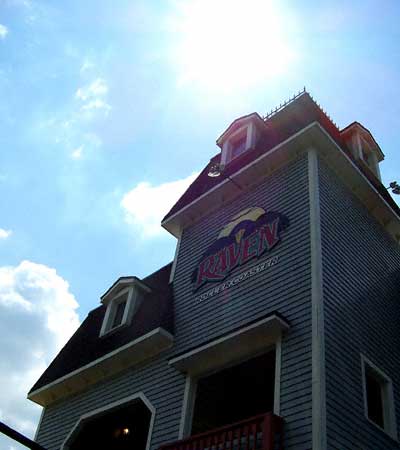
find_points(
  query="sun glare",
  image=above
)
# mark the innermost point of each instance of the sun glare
(228, 44)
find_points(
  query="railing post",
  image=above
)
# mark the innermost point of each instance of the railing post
(268, 433)
(281, 434)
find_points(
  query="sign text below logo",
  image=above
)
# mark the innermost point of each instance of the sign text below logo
(243, 276)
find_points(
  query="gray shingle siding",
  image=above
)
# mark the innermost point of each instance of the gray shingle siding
(161, 384)
(361, 268)
(285, 287)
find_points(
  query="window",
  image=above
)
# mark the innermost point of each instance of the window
(239, 142)
(243, 134)
(122, 300)
(378, 398)
(119, 312)
(121, 425)
(234, 393)
(238, 146)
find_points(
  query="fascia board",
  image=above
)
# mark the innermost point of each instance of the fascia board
(312, 135)
(139, 349)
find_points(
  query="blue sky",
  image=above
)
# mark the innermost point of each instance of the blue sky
(108, 109)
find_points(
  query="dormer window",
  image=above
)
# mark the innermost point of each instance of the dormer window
(363, 147)
(122, 300)
(241, 136)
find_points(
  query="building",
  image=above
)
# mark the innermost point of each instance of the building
(277, 323)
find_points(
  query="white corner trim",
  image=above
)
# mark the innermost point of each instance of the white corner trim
(137, 396)
(173, 268)
(354, 166)
(277, 387)
(189, 397)
(97, 361)
(319, 441)
(39, 424)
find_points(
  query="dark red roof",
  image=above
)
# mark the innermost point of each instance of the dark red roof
(85, 346)
(292, 118)
(289, 120)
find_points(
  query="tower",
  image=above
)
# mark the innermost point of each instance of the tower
(276, 325)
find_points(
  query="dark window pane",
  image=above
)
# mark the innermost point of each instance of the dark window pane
(235, 393)
(119, 314)
(374, 399)
(238, 146)
(124, 428)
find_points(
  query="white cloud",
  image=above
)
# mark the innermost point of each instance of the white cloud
(37, 316)
(4, 234)
(3, 31)
(77, 153)
(97, 88)
(86, 66)
(145, 205)
(92, 98)
(96, 104)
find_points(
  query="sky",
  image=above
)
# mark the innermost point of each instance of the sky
(108, 110)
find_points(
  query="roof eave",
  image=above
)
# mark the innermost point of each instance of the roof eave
(136, 351)
(312, 135)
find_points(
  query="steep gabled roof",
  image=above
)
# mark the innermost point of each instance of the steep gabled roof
(85, 346)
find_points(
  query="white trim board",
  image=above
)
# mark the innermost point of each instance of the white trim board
(278, 368)
(313, 134)
(188, 407)
(232, 347)
(175, 262)
(190, 392)
(39, 425)
(227, 181)
(138, 396)
(319, 441)
(139, 349)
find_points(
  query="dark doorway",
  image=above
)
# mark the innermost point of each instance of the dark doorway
(122, 428)
(235, 393)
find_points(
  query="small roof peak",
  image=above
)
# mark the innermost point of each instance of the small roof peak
(237, 123)
(357, 126)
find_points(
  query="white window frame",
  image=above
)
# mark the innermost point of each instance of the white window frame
(389, 413)
(360, 148)
(140, 396)
(249, 130)
(189, 397)
(130, 306)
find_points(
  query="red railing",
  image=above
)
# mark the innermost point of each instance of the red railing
(263, 432)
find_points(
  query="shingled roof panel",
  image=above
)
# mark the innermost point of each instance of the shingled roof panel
(85, 346)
